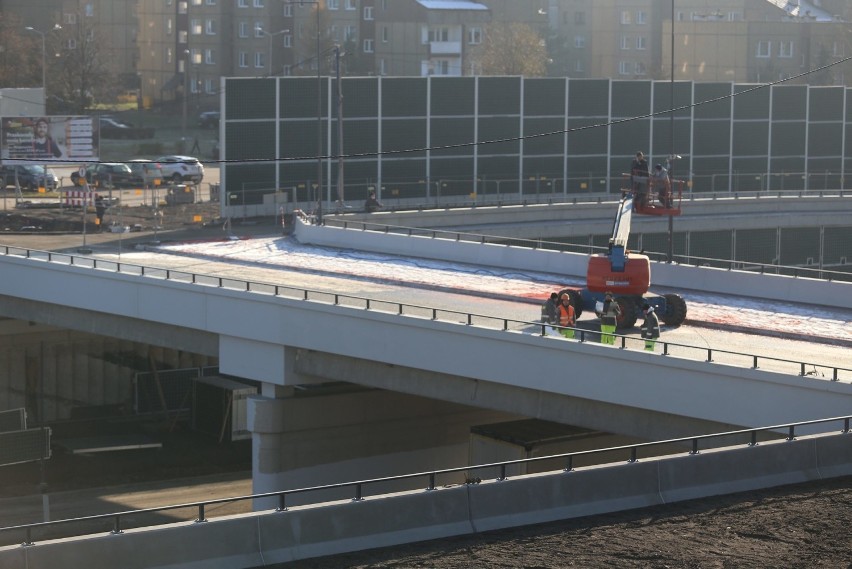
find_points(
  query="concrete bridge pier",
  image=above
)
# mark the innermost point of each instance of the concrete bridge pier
(308, 435)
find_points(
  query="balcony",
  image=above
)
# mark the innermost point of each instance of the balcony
(445, 48)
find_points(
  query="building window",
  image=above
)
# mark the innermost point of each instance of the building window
(211, 2)
(368, 12)
(436, 35)
(625, 17)
(351, 33)
(243, 59)
(195, 56)
(785, 48)
(243, 4)
(439, 67)
(579, 18)
(209, 57)
(258, 3)
(641, 17)
(333, 4)
(182, 7)
(70, 18)
(288, 10)
(195, 27)
(764, 48)
(624, 68)
(626, 41)
(210, 27)
(259, 61)
(368, 46)
(244, 30)
(288, 40)
(735, 16)
(641, 42)
(639, 68)
(286, 71)
(89, 11)
(258, 29)
(580, 42)
(71, 44)
(170, 29)
(474, 35)
(578, 66)
(351, 5)
(385, 34)
(182, 36)
(383, 67)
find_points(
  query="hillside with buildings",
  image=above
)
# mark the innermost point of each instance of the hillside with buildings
(173, 54)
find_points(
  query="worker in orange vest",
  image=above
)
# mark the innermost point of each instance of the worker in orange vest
(566, 316)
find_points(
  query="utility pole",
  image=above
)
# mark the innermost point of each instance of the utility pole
(339, 128)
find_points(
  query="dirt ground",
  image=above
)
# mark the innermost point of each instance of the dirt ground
(801, 526)
(46, 220)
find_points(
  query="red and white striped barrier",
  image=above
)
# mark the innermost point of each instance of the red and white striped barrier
(80, 197)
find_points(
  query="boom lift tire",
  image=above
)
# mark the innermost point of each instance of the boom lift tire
(629, 309)
(675, 312)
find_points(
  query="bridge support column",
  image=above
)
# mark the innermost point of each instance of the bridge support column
(342, 433)
(266, 422)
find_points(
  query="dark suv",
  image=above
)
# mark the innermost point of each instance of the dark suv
(108, 174)
(30, 176)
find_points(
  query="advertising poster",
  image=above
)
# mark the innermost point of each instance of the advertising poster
(42, 140)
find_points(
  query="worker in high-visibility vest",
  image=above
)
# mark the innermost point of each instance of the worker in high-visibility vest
(566, 316)
(609, 311)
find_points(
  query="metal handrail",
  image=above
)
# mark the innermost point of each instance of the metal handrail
(357, 487)
(804, 369)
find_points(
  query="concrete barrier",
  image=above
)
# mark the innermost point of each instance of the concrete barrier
(573, 265)
(273, 537)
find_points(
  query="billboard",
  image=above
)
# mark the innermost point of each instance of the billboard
(42, 140)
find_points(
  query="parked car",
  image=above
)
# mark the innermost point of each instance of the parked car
(149, 172)
(180, 169)
(109, 174)
(29, 176)
(208, 119)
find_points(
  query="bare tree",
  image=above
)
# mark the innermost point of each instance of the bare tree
(308, 44)
(513, 49)
(20, 53)
(78, 73)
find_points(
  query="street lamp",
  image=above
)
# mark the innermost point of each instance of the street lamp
(43, 61)
(269, 35)
(317, 5)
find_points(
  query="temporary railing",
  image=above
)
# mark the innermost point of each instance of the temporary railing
(741, 359)
(120, 521)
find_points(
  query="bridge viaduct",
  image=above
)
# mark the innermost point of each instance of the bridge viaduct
(289, 341)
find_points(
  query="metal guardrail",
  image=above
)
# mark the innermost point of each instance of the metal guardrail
(632, 453)
(753, 361)
(687, 260)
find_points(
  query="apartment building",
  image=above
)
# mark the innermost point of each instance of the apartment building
(111, 24)
(179, 49)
